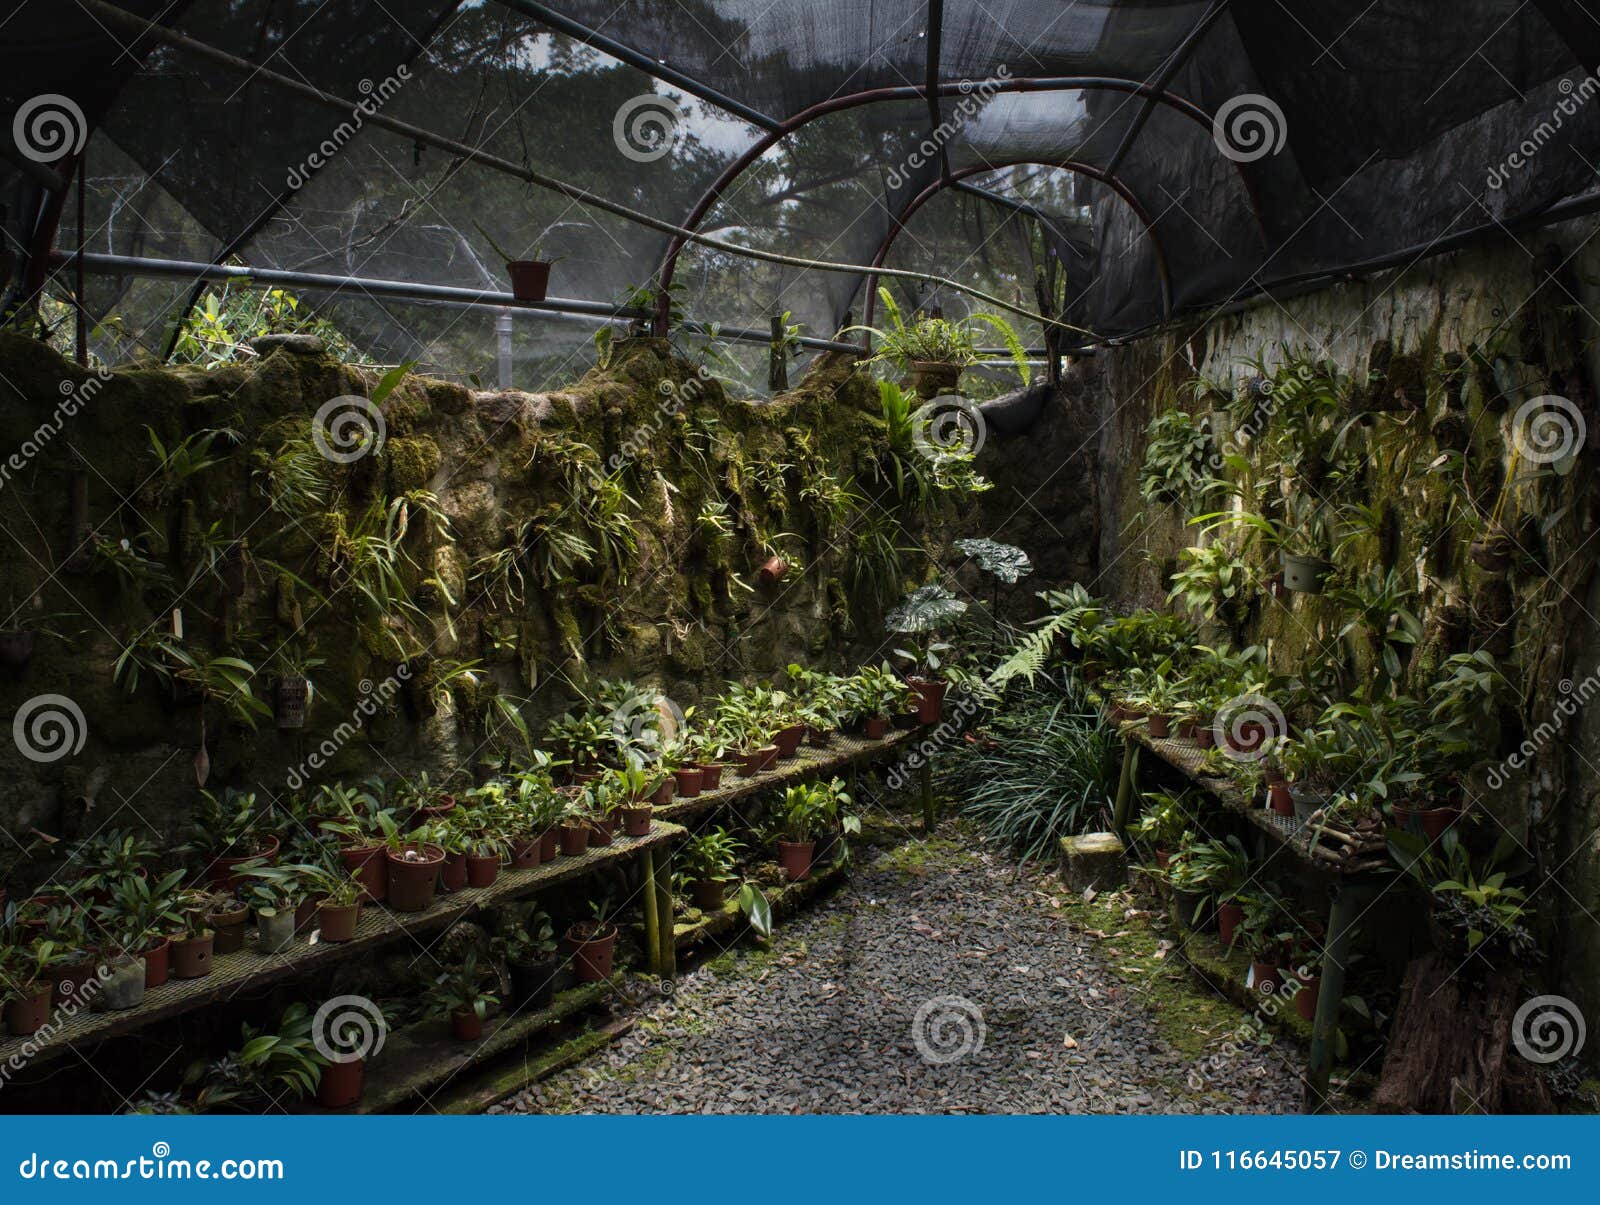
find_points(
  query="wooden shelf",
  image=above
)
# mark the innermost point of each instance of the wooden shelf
(248, 968)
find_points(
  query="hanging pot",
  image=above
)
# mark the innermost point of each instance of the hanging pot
(772, 570)
(294, 696)
(530, 278)
(1304, 574)
(934, 378)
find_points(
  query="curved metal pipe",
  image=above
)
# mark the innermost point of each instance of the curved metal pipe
(1070, 165)
(839, 104)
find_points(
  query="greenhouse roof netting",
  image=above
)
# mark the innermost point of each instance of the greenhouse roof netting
(1163, 155)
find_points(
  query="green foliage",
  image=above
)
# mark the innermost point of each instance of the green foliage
(1177, 460)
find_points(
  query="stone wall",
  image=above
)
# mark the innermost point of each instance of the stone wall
(270, 554)
(1447, 351)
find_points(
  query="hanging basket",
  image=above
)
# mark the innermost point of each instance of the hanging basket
(294, 696)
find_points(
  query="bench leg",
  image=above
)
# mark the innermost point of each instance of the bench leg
(1341, 925)
(1126, 789)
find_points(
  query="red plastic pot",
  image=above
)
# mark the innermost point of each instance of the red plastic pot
(482, 869)
(30, 1014)
(709, 895)
(1265, 977)
(592, 956)
(875, 727)
(220, 870)
(530, 278)
(191, 956)
(819, 738)
(340, 1085)
(928, 698)
(574, 840)
(636, 820)
(369, 867)
(337, 922)
(689, 780)
(1305, 1000)
(750, 764)
(795, 858)
(525, 853)
(550, 845)
(1204, 735)
(157, 963)
(1229, 917)
(466, 1026)
(1160, 726)
(788, 739)
(601, 832)
(663, 795)
(412, 884)
(1281, 799)
(229, 928)
(68, 978)
(453, 874)
(710, 776)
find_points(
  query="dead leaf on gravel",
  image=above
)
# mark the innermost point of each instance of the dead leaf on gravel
(1070, 1042)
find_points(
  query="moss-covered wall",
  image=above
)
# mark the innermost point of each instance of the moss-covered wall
(269, 553)
(1440, 357)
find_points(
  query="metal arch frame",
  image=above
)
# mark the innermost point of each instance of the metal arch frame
(1071, 165)
(854, 100)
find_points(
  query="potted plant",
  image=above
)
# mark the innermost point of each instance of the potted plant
(706, 862)
(577, 824)
(1261, 929)
(228, 831)
(876, 693)
(527, 945)
(351, 816)
(1160, 699)
(916, 619)
(1163, 825)
(274, 893)
(934, 349)
(338, 898)
(25, 987)
(226, 915)
(462, 996)
(1220, 869)
(530, 278)
(194, 945)
(593, 944)
(138, 906)
(354, 1034)
(635, 788)
(688, 778)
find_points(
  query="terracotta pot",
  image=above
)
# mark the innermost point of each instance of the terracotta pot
(875, 727)
(636, 820)
(219, 871)
(337, 922)
(340, 1085)
(549, 845)
(530, 278)
(710, 776)
(533, 983)
(663, 793)
(29, 1015)
(1305, 1000)
(1229, 917)
(369, 867)
(689, 780)
(16, 650)
(709, 895)
(1160, 726)
(191, 956)
(928, 698)
(1265, 978)
(67, 979)
(453, 873)
(412, 884)
(275, 932)
(795, 858)
(591, 957)
(229, 929)
(788, 739)
(1281, 799)
(525, 853)
(772, 570)
(574, 840)
(157, 963)
(466, 1026)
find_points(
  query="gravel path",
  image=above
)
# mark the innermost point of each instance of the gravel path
(827, 1020)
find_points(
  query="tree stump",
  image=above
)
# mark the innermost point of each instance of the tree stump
(1450, 1047)
(1093, 860)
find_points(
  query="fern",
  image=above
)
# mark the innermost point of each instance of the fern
(1008, 336)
